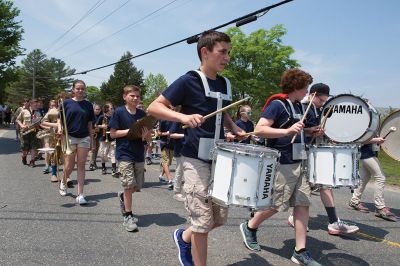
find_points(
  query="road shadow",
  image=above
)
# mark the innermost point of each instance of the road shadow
(100, 197)
(9, 146)
(154, 184)
(371, 207)
(160, 219)
(317, 248)
(253, 260)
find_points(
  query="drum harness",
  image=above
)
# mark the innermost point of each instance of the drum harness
(294, 115)
(207, 145)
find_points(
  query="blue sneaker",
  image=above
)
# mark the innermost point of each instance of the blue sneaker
(185, 249)
(162, 180)
(304, 258)
(249, 237)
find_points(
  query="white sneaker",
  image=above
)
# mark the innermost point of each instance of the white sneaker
(62, 189)
(341, 227)
(290, 222)
(179, 197)
(81, 200)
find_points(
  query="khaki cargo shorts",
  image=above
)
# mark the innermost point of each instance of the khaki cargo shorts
(166, 156)
(132, 174)
(203, 213)
(291, 188)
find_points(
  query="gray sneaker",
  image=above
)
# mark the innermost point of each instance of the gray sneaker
(130, 223)
(304, 258)
(341, 227)
(249, 237)
(121, 202)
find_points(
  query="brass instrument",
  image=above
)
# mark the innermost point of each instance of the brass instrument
(66, 147)
(44, 133)
(56, 156)
(105, 123)
(31, 128)
(95, 132)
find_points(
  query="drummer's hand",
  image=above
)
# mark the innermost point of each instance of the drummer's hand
(193, 121)
(378, 140)
(229, 136)
(317, 131)
(295, 128)
(146, 134)
(241, 135)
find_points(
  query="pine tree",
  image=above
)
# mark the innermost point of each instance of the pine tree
(125, 73)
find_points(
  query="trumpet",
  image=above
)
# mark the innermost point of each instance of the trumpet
(67, 147)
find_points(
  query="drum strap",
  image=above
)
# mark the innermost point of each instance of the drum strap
(297, 116)
(216, 95)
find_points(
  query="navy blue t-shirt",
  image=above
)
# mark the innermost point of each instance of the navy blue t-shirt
(246, 126)
(165, 142)
(178, 143)
(78, 114)
(101, 130)
(367, 151)
(188, 92)
(277, 112)
(127, 150)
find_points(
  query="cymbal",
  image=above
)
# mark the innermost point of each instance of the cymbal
(135, 132)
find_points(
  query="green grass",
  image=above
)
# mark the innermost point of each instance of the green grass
(391, 168)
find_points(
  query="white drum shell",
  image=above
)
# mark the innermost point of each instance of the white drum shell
(243, 177)
(333, 166)
(351, 119)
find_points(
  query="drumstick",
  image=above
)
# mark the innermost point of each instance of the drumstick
(323, 121)
(222, 109)
(249, 133)
(392, 129)
(325, 117)
(304, 116)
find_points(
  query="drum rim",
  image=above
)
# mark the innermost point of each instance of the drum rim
(267, 150)
(347, 146)
(369, 107)
(380, 133)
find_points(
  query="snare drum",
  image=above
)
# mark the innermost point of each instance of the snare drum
(243, 175)
(350, 120)
(333, 166)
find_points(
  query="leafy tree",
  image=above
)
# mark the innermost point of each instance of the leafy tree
(154, 85)
(125, 73)
(50, 76)
(10, 37)
(94, 95)
(257, 63)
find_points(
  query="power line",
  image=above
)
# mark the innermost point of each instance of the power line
(94, 25)
(122, 29)
(93, 8)
(239, 22)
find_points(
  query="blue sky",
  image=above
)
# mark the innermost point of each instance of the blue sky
(352, 45)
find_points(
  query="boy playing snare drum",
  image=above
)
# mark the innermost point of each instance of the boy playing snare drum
(213, 50)
(278, 124)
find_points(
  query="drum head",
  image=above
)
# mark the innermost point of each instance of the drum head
(245, 148)
(392, 143)
(348, 120)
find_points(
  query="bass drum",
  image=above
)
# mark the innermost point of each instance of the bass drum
(350, 119)
(390, 130)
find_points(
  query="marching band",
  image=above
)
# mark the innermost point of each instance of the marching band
(301, 143)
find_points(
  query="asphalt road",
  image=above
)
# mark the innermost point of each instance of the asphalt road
(39, 227)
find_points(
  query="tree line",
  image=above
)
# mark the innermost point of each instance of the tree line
(257, 62)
